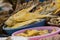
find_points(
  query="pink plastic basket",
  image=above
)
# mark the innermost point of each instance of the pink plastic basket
(43, 36)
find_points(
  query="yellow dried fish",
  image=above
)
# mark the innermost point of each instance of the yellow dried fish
(24, 23)
(18, 15)
(24, 15)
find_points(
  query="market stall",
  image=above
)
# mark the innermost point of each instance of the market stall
(30, 19)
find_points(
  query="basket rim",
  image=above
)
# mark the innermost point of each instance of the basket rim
(42, 36)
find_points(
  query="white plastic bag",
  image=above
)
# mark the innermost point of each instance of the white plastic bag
(19, 38)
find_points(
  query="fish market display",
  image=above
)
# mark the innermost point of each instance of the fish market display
(19, 14)
(24, 15)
